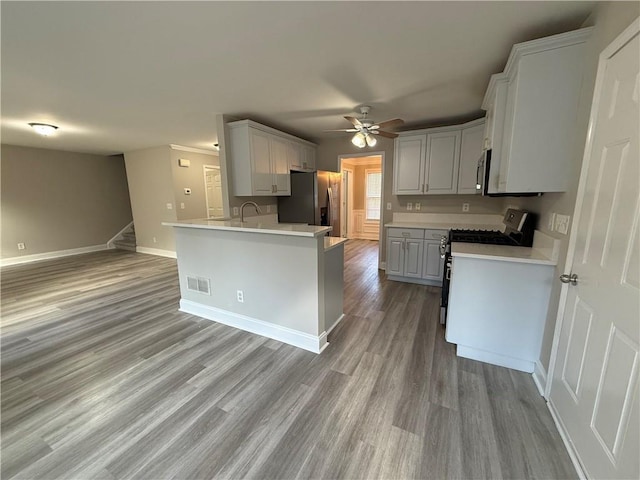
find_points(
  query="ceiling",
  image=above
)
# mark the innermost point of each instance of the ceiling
(121, 76)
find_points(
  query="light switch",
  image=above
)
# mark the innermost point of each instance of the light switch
(182, 205)
(388, 205)
(562, 223)
(409, 206)
(169, 206)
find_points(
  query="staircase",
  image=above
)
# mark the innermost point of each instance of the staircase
(127, 241)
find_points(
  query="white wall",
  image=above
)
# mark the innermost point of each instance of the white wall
(151, 189)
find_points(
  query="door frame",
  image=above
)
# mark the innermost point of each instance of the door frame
(380, 154)
(624, 37)
(347, 206)
(204, 178)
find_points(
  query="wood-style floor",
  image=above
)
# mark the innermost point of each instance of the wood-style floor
(103, 378)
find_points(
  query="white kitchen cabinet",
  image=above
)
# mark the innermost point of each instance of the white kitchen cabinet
(432, 161)
(261, 159)
(442, 162)
(302, 158)
(404, 252)
(408, 164)
(413, 255)
(432, 262)
(470, 154)
(540, 88)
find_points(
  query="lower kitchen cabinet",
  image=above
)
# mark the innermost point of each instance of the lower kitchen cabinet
(413, 255)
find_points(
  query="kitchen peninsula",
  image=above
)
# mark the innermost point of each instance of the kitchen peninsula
(282, 281)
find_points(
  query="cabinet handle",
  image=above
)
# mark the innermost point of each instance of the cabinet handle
(426, 187)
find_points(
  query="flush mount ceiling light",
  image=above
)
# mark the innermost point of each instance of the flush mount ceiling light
(216, 147)
(43, 129)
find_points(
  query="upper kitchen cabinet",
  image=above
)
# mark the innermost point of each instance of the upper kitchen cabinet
(473, 136)
(533, 108)
(438, 161)
(262, 157)
(408, 164)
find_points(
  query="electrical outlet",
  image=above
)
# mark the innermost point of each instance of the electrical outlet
(169, 206)
(236, 212)
(409, 206)
(268, 208)
(465, 207)
(552, 222)
(182, 205)
(154, 240)
(388, 205)
(240, 296)
(21, 246)
(418, 205)
(562, 224)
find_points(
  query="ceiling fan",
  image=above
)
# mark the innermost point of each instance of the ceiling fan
(365, 128)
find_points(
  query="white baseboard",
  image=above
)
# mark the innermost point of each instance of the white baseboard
(383, 266)
(418, 281)
(540, 378)
(335, 324)
(110, 243)
(50, 255)
(494, 358)
(298, 339)
(567, 442)
(157, 251)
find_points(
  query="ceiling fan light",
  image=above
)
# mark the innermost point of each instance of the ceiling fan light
(359, 140)
(43, 129)
(371, 140)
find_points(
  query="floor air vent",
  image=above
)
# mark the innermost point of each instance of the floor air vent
(199, 284)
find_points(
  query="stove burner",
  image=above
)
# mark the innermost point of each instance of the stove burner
(491, 237)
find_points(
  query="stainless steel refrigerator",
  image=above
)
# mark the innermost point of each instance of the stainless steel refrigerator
(315, 200)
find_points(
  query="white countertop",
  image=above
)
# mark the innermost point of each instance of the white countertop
(443, 226)
(291, 229)
(503, 253)
(333, 242)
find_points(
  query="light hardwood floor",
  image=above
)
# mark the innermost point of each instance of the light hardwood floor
(103, 378)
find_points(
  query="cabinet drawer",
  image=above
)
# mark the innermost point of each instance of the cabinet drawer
(416, 233)
(435, 234)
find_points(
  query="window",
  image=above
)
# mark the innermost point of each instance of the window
(373, 185)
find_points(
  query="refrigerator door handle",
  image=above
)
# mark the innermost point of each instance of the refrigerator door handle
(329, 208)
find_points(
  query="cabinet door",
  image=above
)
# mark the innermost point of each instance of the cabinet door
(395, 256)
(309, 159)
(262, 177)
(294, 155)
(408, 168)
(413, 258)
(443, 156)
(470, 154)
(280, 166)
(432, 264)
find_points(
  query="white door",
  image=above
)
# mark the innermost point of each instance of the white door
(213, 190)
(594, 389)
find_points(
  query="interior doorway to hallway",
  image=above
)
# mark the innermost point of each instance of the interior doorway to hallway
(362, 195)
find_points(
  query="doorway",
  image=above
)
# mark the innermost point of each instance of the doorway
(213, 191)
(362, 199)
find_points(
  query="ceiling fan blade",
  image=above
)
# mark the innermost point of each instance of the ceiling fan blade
(385, 134)
(343, 130)
(396, 122)
(354, 120)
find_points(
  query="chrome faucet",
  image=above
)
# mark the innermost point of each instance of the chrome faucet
(244, 205)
